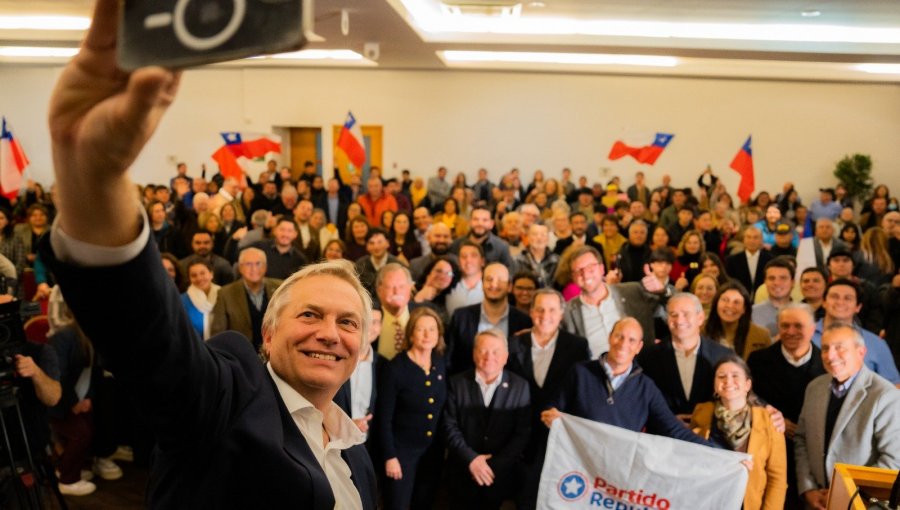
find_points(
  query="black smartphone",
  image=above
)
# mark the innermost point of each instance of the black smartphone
(184, 33)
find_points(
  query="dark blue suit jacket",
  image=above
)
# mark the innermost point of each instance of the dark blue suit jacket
(570, 350)
(461, 334)
(658, 362)
(501, 429)
(224, 436)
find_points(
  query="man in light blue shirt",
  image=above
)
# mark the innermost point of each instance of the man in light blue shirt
(841, 305)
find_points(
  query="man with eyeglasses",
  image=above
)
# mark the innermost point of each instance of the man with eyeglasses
(242, 303)
(593, 313)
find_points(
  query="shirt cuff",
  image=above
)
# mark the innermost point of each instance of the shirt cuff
(79, 253)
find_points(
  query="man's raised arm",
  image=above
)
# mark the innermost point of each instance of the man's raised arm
(100, 119)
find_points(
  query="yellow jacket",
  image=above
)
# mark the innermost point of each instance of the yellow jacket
(767, 485)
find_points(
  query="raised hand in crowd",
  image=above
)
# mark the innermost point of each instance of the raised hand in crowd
(650, 282)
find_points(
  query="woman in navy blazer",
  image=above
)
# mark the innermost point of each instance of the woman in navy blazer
(412, 390)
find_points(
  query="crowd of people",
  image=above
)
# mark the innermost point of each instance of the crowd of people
(493, 301)
(298, 341)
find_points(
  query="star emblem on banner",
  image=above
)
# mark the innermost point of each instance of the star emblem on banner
(572, 486)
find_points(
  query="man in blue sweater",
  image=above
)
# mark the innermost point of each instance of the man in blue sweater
(614, 390)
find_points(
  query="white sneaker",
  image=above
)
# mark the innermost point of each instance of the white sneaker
(79, 488)
(107, 469)
(123, 453)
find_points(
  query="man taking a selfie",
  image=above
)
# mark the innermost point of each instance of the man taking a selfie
(231, 432)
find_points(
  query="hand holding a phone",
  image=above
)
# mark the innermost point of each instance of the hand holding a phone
(100, 120)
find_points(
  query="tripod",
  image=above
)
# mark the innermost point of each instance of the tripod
(25, 478)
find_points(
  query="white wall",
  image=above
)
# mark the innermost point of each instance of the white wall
(466, 120)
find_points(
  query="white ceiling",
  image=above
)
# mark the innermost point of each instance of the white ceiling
(412, 34)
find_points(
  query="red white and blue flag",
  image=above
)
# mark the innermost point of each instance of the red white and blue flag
(743, 164)
(351, 142)
(647, 154)
(243, 145)
(13, 163)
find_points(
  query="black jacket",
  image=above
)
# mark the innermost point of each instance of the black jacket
(659, 364)
(224, 436)
(501, 429)
(461, 334)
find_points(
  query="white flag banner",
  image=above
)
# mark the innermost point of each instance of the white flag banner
(593, 465)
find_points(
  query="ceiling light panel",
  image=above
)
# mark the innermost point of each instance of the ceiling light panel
(20, 22)
(437, 25)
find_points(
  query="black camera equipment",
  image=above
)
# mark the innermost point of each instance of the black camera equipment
(181, 33)
(24, 474)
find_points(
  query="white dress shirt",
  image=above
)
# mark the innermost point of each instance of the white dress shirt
(342, 434)
(361, 387)
(752, 264)
(487, 389)
(541, 358)
(598, 324)
(687, 363)
(797, 363)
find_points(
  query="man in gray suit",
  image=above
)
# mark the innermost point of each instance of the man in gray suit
(850, 415)
(599, 306)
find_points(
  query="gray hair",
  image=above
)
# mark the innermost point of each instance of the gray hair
(549, 292)
(690, 297)
(342, 269)
(857, 335)
(802, 307)
(259, 218)
(390, 268)
(248, 251)
(494, 332)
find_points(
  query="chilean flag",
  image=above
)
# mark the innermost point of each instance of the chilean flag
(13, 163)
(351, 141)
(243, 145)
(743, 164)
(648, 154)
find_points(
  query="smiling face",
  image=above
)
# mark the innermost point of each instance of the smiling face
(710, 268)
(685, 318)
(315, 343)
(441, 275)
(841, 303)
(425, 334)
(401, 224)
(779, 282)
(490, 355)
(692, 244)
(812, 285)
(731, 306)
(333, 251)
(587, 273)
(625, 342)
(705, 289)
(495, 283)
(795, 330)
(546, 314)
(841, 354)
(732, 384)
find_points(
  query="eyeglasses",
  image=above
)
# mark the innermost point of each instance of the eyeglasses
(524, 289)
(443, 273)
(256, 264)
(585, 269)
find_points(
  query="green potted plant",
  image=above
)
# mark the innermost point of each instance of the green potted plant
(855, 173)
